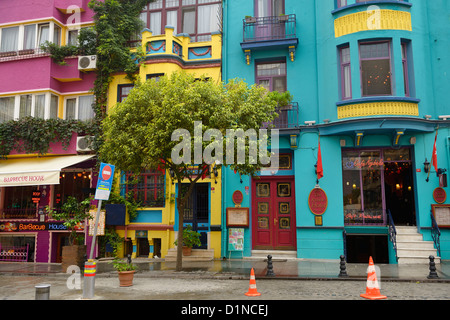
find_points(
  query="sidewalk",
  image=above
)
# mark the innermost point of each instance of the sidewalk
(240, 269)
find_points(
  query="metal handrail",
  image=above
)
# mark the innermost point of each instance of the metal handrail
(392, 233)
(435, 234)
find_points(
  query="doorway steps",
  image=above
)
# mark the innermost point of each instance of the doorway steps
(276, 255)
(412, 249)
(197, 255)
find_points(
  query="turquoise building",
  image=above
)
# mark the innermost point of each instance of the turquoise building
(369, 81)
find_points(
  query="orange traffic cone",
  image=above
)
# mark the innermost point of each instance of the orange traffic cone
(252, 292)
(372, 287)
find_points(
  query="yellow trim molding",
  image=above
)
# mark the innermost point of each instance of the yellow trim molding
(372, 20)
(389, 108)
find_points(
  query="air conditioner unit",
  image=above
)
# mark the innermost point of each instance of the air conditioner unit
(85, 143)
(86, 63)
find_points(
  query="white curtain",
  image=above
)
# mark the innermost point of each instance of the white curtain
(44, 30)
(155, 23)
(53, 107)
(85, 111)
(25, 106)
(70, 108)
(208, 20)
(39, 106)
(172, 20)
(10, 39)
(29, 37)
(6, 109)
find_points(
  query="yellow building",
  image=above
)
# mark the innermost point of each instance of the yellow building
(154, 230)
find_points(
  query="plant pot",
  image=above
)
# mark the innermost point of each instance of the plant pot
(126, 278)
(73, 255)
(187, 251)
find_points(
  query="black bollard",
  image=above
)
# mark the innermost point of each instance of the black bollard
(433, 274)
(269, 267)
(129, 258)
(343, 267)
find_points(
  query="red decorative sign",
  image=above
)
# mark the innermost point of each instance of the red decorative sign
(317, 201)
(238, 197)
(439, 195)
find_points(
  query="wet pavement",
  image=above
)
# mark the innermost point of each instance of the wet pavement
(240, 269)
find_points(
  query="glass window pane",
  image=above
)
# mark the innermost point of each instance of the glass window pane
(155, 23)
(29, 36)
(70, 108)
(155, 5)
(53, 107)
(6, 109)
(374, 50)
(172, 20)
(397, 154)
(189, 21)
(25, 106)
(43, 30)
(85, 111)
(73, 37)
(346, 82)
(10, 39)
(172, 3)
(345, 55)
(208, 18)
(57, 35)
(39, 106)
(279, 84)
(376, 77)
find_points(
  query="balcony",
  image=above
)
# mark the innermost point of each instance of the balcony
(270, 32)
(287, 117)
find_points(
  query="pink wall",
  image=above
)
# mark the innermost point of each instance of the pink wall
(40, 73)
(19, 10)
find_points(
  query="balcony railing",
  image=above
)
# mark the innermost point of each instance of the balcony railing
(270, 28)
(19, 213)
(287, 117)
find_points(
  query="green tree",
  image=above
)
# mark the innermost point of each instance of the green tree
(138, 132)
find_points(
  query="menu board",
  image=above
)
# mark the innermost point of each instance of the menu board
(101, 223)
(237, 217)
(441, 214)
(236, 239)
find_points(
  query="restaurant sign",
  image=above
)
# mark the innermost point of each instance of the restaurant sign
(360, 163)
(14, 226)
(317, 201)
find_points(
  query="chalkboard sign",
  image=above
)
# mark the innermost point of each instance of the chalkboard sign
(441, 213)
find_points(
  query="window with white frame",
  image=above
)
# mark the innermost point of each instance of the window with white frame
(38, 105)
(29, 36)
(79, 108)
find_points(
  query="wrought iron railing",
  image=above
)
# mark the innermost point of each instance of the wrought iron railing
(18, 213)
(392, 233)
(287, 117)
(436, 234)
(270, 28)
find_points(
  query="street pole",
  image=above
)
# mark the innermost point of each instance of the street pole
(90, 265)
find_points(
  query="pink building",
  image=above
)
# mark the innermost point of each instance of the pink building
(33, 85)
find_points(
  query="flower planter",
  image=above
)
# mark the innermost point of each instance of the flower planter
(187, 251)
(126, 278)
(73, 255)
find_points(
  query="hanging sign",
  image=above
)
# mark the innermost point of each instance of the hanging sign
(101, 223)
(317, 201)
(237, 197)
(439, 195)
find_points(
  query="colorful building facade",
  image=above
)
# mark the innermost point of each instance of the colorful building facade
(32, 85)
(368, 81)
(176, 38)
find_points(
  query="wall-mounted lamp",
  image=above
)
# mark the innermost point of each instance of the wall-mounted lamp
(426, 166)
(293, 141)
(216, 173)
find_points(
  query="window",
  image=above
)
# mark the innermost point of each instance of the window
(29, 39)
(123, 90)
(375, 69)
(72, 37)
(198, 18)
(43, 33)
(75, 183)
(10, 39)
(408, 72)
(147, 188)
(6, 109)
(341, 3)
(80, 108)
(346, 82)
(272, 76)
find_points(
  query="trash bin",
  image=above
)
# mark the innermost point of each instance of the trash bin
(42, 292)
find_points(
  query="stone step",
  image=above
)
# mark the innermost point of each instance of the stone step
(415, 244)
(197, 255)
(417, 260)
(412, 249)
(276, 255)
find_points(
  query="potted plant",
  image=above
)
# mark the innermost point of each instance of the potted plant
(73, 213)
(250, 19)
(126, 272)
(283, 99)
(190, 238)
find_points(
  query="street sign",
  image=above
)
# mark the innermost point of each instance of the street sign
(105, 180)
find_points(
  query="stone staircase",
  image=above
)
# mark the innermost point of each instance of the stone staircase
(276, 255)
(197, 255)
(412, 249)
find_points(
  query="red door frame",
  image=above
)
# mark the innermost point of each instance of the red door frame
(274, 235)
